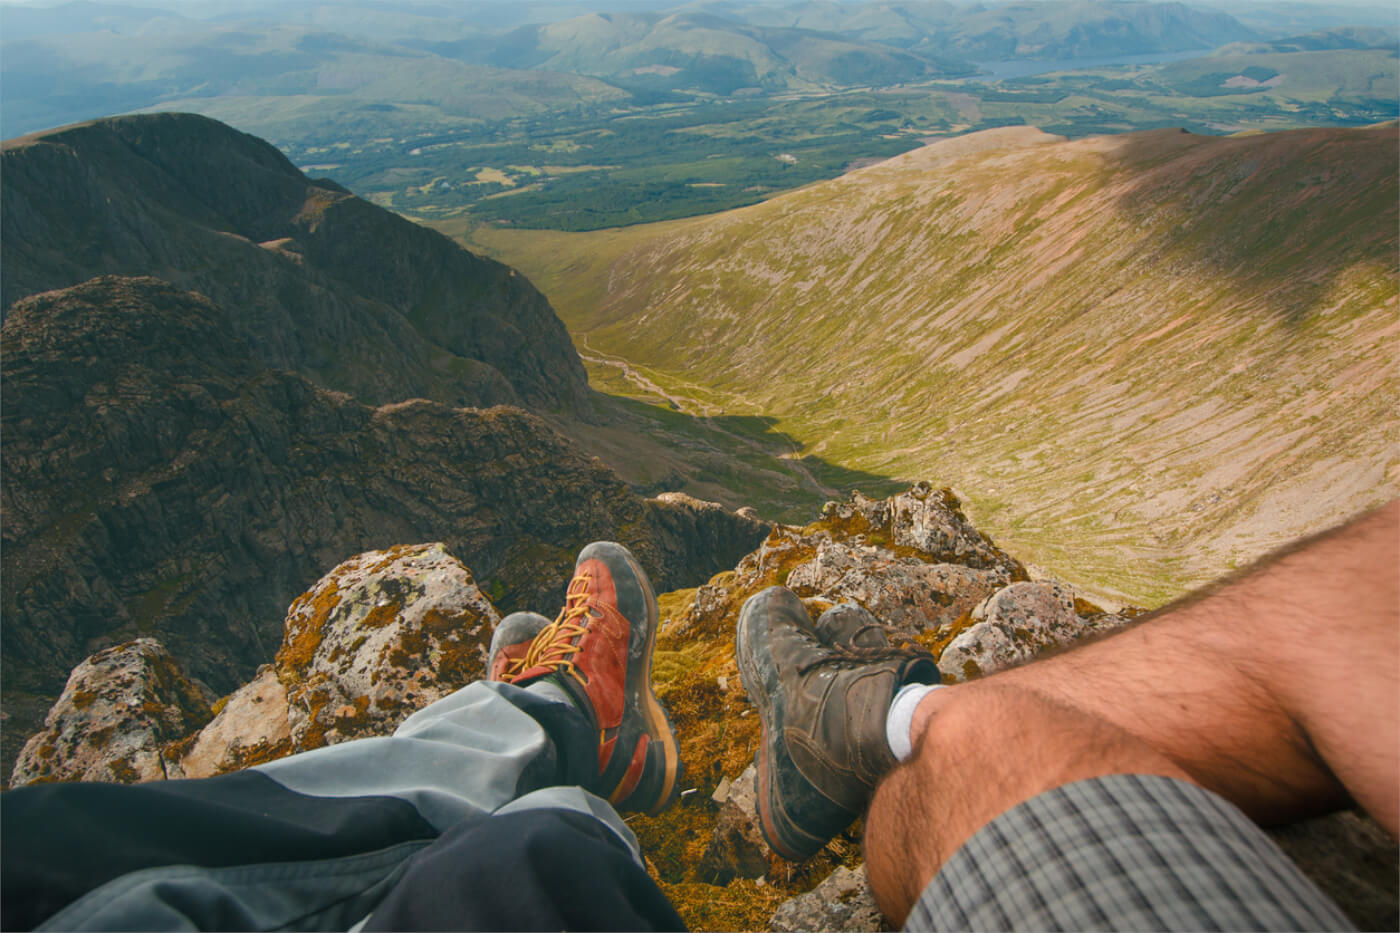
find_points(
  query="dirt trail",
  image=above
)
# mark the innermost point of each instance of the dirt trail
(701, 411)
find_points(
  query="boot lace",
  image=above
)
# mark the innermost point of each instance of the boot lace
(905, 648)
(554, 646)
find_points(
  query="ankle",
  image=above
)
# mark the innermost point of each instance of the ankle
(899, 724)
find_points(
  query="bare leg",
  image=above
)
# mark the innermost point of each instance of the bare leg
(1278, 691)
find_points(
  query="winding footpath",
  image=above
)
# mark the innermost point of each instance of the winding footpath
(702, 412)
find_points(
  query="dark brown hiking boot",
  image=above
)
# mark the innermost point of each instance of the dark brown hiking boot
(599, 651)
(822, 708)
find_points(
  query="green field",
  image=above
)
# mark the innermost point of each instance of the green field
(600, 166)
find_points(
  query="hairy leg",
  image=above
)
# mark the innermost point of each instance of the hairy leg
(1277, 690)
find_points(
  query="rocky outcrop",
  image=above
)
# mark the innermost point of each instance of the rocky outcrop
(842, 902)
(914, 560)
(380, 636)
(118, 711)
(159, 480)
(1020, 621)
(905, 593)
(307, 276)
(737, 848)
(926, 520)
(252, 725)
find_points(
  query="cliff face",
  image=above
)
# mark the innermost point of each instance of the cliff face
(220, 377)
(309, 277)
(159, 480)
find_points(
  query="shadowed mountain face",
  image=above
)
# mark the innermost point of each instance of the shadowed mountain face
(311, 278)
(258, 392)
(158, 480)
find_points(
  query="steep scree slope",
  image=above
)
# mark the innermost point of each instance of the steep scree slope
(1140, 358)
(160, 480)
(312, 278)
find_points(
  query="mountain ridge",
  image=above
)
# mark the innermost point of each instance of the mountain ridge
(223, 213)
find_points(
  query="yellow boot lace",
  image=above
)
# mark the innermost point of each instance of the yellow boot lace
(554, 646)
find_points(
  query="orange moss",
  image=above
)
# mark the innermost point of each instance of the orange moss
(174, 751)
(245, 756)
(1085, 608)
(739, 905)
(382, 614)
(124, 772)
(82, 699)
(356, 719)
(393, 554)
(937, 640)
(459, 662)
(304, 631)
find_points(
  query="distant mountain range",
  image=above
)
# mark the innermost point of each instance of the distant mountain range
(1037, 30)
(83, 60)
(702, 51)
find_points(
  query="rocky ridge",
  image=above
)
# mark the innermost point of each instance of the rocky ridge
(309, 277)
(160, 480)
(386, 632)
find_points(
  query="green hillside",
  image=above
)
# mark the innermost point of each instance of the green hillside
(1142, 359)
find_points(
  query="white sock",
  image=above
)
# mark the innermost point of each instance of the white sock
(901, 718)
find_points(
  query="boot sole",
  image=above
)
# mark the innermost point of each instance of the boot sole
(663, 751)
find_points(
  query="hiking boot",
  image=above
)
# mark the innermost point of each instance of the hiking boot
(599, 650)
(822, 708)
(510, 643)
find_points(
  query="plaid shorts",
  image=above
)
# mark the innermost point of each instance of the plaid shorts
(1124, 852)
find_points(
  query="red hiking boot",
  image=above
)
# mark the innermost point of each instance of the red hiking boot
(599, 650)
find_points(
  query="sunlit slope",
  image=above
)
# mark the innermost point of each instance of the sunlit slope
(1143, 359)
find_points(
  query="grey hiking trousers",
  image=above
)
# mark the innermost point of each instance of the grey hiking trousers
(318, 840)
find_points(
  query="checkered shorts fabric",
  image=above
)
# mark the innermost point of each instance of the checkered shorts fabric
(1124, 852)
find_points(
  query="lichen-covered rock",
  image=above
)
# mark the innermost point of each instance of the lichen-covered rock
(251, 727)
(929, 521)
(118, 710)
(737, 849)
(904, 593)
(842, 902)
(913, 560)
(1016, 623)
(380, 636)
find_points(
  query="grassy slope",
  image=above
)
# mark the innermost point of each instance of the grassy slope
(1142, 359)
